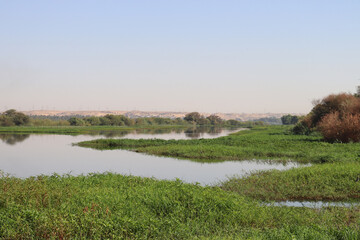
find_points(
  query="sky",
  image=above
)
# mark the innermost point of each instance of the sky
(178, 55)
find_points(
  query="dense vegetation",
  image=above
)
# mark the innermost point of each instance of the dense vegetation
(329, 182)
(13, 118)
(109, 206)
(270, 142)
(289, 119)
(269, 120)
(336, 117)
(92, 130)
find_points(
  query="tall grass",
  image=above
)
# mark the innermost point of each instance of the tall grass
(326, 182)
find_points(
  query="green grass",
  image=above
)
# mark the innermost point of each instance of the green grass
(326, 182)
(332, 182)
(266, 143)
(110, 206)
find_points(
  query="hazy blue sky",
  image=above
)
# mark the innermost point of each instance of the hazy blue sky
(195, 55)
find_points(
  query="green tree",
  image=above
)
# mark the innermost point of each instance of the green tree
(289, 119)
(11, 117)
(232, 122)
(93, 121)
(192, 117)
(203, 121)
(75, 121)
(214, 119)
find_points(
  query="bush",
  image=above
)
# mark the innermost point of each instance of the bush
(74, 121)
(289, 119)
(336, 117)
(340, 128)
(343, 103)
(301, 129)
(12, 117)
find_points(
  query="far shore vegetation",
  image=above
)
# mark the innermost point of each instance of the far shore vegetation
(12, 121)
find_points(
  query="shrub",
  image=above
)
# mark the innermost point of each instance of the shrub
(301, 129)
(336, 116)
(12, 117)
(343, 103)
(289, 119)
(336, 127)
(74, 121)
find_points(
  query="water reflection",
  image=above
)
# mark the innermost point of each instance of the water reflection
(48, 154)
(12, 139)
(308, 204)
(162, 133)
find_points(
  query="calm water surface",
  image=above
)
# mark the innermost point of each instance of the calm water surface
(30, 155)
(318, 204)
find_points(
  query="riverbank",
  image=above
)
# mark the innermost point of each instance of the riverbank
(125, 207)
(73, 130)
(334, 176)
(274, 143)
(321, 182)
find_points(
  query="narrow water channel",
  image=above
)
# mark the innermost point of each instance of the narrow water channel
(30, 155)
(309, 204)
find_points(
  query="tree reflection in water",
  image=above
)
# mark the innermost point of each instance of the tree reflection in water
(12, 139)
(192, 132)
(196, 132)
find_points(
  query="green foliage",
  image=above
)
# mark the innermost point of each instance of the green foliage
(13, 118)
(271, 142)
(93, 121)
(74, 121)
(325, 182)
(192, 117)
(47, 122)
(289, 119)
(120, 120)
(269, 120)
(109, 206)
(215, 120)
(301, 129)
(108, 131)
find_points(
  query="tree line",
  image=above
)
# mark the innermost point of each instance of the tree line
(14, 118)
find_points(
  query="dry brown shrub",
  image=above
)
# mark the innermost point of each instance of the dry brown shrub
(340, 127)
(343, 103)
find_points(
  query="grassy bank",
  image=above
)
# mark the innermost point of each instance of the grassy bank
(326, 182)
(109, 206)
(73, 130)
(274, 143)
(334, 177)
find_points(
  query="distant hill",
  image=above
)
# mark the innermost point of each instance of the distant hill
(136, 114)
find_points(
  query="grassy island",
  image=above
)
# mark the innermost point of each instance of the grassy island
(264, 143)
